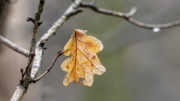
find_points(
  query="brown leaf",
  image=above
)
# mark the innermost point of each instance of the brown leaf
(84, 62)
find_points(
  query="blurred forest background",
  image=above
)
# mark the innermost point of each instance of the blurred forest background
(141, 65)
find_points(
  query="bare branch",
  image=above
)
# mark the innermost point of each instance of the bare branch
(49, 68)
(23, 86)
(72, 10)
(152, 26)
(26, 69)
(14, 46)
(19, 93)
(106, 11)
(36, 21)
(128, 17)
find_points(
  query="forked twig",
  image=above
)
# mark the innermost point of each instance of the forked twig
(49, 68)
(23, 73)
(36, 21)
(92, 6)
(128, 16)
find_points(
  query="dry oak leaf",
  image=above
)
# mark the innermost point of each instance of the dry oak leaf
(84, 62)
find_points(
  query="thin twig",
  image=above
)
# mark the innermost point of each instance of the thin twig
(92, 6)
(152, 26)
(14, 46)
(37, 23)
(128, 16)
(26, 69)
(49, 68)
(28, 66)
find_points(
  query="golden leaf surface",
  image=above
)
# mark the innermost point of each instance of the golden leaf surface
(84, 62)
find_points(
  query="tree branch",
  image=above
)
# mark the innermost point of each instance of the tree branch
(128, 16)
(92, 6)
(23, 86)
(72, 10)
(36, 21)
(23, 73)
(14, 46)
(39, 46)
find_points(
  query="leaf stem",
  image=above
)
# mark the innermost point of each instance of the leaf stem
(49, 68)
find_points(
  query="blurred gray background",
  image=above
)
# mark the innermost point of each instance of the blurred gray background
(141, 65)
